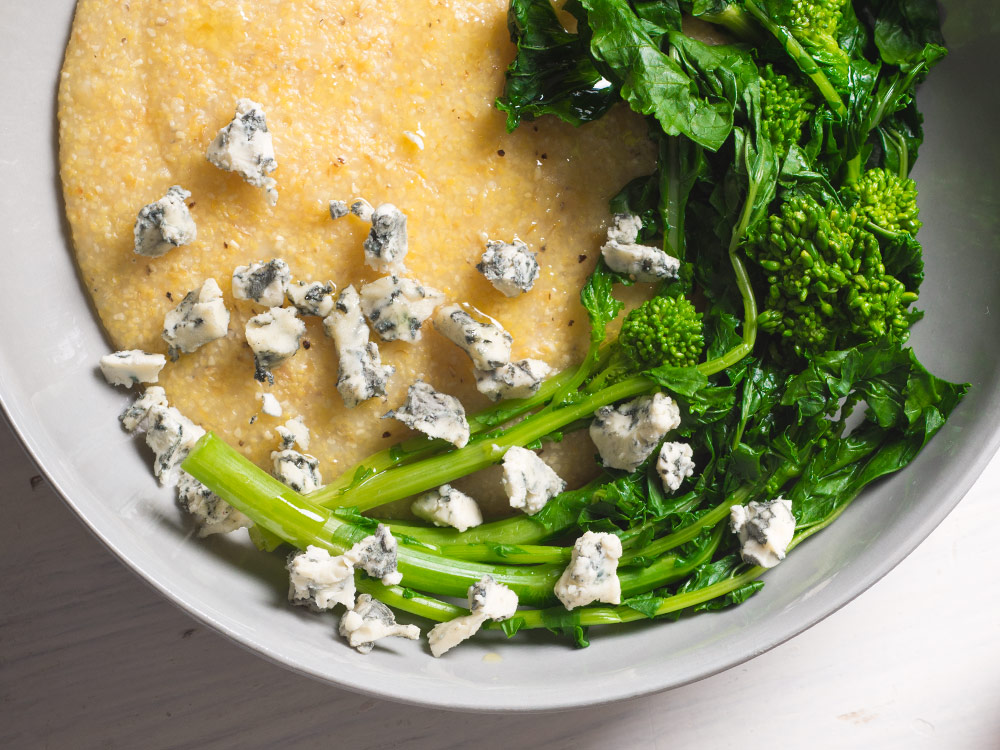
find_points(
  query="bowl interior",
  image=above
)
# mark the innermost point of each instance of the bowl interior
(65, 415)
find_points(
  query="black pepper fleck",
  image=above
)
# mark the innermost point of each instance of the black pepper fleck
(501, 152)
(170, 296)
(36, 480)
(306, 343)
(386, 434)
(572, 322)
(581, 258)
(225, 245)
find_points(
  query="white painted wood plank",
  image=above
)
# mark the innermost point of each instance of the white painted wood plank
(91, 657)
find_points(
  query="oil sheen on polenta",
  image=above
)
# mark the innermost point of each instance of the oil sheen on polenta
(145, 87)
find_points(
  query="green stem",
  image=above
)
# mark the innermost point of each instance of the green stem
(287, 514)
(520, 554)
(396, 484)
(422, 447)
(805, 62)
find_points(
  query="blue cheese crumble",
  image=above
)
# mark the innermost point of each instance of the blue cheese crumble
(674, 464)
(339, 209)
(171, 436)
(509, 266)
(626, 434)
(639, 262)
(320, 580)
(211, 513)
(297, 470)
(369, 621)
(132, 367)
(480, 336)
(488, 600)
(270, 405)
(528, 481)
(164, 224)
(386, 245)
(396, 307)
(312, 298)
(273, 336)
(362, 209)
(200, 317)
(135, 418)
(447, 506)
(245, 146)
(764, 530)
(262, 282)
(294, 432)
(592, 573)
(433, 413)
(362, 374)
(519, 379)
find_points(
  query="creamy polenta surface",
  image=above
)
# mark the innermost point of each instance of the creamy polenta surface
(147, 85)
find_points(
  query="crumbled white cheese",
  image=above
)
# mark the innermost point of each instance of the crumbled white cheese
(625, 435)
(132, 367)
(297, 470)
(397, 307)
(509, 266)
(674, 464)
(273, 336)
(386, 245)
(320, 580)
(592, 573)
(171, 435)
(136, 417)
(528, 481)
(764, 530)
(639, 262)
(435, 414)
(263, 282)
(270, 405)
(488, 600)
(339, 209)
(362, 209)
(370, 621)
(292, 432)
(212, 514)
(312, 298)
(245, 146)
(480, 336)
(447, 506)
(362, 374)
(377, 556)
(164, 224)
(200, 317)
(519, 379)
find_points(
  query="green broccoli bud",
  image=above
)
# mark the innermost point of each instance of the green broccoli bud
(663, 331)
(827, 286)
(785, 108)
(816, 16)
(886, 199)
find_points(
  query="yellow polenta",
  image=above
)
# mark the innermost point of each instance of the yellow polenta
(145, 87)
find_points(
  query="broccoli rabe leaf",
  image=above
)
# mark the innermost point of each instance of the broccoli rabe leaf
(552, 73)
(906, 32)
(651, 81)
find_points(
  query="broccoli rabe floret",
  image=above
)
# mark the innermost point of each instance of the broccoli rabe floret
(785, 108)
(816, 16)
(886, 199)
(663, 331)
(827, 286)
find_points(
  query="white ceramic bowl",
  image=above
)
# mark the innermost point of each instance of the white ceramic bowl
(64, 413)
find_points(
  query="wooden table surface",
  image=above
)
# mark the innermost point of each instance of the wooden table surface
(90, 657)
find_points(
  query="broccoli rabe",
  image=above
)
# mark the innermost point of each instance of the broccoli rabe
(785, 108)
(663, 331)
(886, 200)
(827, 286)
